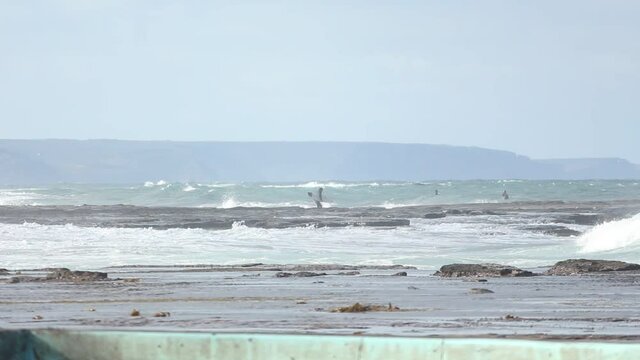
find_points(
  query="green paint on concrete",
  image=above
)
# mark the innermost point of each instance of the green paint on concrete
(120, 345)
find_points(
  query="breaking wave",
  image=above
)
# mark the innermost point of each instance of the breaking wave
(13, 197)
(152, 184)
(230, 202)
(611, 235)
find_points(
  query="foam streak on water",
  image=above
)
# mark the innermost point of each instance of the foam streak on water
(426, 244)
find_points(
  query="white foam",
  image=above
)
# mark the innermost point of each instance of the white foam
(221, 185)
(238, 225)
(420, 201)
(611, 235)
(315, 184)
(426, 243)
(484, 201)
(392, 205)
(229, 202)
(188, 188)
(152, 184)
(19, 197)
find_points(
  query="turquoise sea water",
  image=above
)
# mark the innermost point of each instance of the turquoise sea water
(426, 243)
(337, 194)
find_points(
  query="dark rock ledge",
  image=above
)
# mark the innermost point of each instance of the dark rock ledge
(583, 266)
(561, 268)
(63, 274)
(481, 270)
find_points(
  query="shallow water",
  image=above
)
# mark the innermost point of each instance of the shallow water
(519, 233)
(368, 223)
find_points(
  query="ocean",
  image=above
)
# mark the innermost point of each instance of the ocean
(361, 223)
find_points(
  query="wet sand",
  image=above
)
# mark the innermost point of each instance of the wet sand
(254, 299)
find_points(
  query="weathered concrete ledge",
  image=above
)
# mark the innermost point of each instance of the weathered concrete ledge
(76, 345)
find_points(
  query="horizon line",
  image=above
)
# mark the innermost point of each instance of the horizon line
(323, 142)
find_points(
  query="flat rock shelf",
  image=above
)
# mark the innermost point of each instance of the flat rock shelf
(252, 298)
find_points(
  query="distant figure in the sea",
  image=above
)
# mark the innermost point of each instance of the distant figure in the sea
(320, 194)
(505, 195)
(316, 200)
(436, 191)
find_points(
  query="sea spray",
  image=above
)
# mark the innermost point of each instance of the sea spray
(611, 235)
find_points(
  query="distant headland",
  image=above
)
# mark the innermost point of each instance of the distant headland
(118, 161)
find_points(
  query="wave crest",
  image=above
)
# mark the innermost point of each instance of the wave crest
(315, 184)
(611, 235)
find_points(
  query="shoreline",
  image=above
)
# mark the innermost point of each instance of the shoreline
(313, 298)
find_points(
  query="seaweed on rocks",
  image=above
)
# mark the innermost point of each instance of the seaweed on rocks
(63, 274)
(481, 270)
(357, 307)
(583, 266)
(299, 274)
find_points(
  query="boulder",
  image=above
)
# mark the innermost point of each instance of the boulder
(554, 230)
(481, 270)
(64, 274)
(436, 215)
(357, 307)
(299, 274)
(580, 219)
(349, 273)
(480, 291)
(583, 266)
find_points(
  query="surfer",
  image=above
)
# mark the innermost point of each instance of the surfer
(436, 191)
(505, 195)
(315, 200)
(320, 194)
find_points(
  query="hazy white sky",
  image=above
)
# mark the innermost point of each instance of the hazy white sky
(541, 78)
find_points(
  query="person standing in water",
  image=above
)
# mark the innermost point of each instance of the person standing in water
(318, 200)
(505, 195)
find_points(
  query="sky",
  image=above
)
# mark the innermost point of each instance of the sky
(546, 79)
